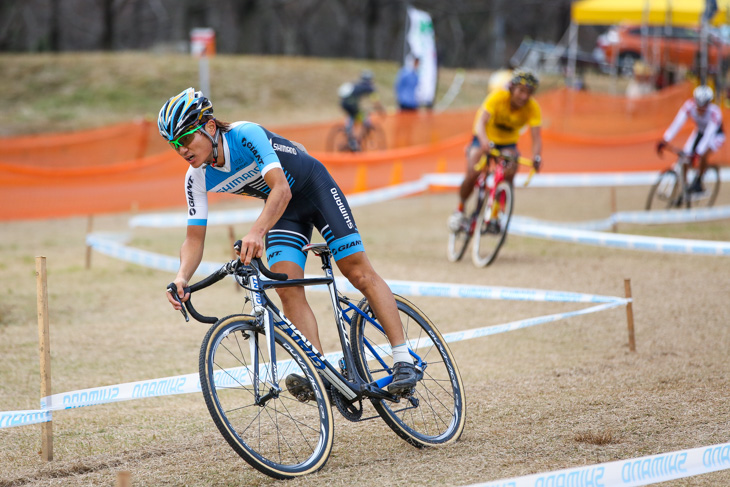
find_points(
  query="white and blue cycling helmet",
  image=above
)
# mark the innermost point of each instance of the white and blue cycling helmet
(703, 95)
(182, 112)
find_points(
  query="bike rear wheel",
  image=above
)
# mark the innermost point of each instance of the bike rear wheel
(491, 232)
(279, 436)
(436, 413)
(665, 192)
(373, 139)
(711, 182)
(337, 140)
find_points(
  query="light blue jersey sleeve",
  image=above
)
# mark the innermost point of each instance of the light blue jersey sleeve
(256, 145)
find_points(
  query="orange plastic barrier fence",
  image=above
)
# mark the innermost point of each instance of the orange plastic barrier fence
(129, 166)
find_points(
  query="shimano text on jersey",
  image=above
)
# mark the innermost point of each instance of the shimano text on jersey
(284, 148)
(341, 206)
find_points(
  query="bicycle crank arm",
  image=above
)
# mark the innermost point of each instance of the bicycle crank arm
(375, 392)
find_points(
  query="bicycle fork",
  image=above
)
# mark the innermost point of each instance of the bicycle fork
(270, 369)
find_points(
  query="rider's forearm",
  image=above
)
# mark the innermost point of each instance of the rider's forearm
(536, 143)
(191, 254)
(274, 207)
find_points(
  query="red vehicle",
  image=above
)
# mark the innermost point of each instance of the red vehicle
(678, 46)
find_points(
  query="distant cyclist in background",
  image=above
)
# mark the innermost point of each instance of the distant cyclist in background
(351, 95)
(707, 137)
(504, 112)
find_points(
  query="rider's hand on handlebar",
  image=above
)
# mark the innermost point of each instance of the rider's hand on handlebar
(181, 295)
(537, 163)
(660, 146)
(251, 246)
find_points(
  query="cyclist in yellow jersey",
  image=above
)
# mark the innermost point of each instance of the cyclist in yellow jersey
(497, 124)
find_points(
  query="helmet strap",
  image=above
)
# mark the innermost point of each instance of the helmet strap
(214, 140)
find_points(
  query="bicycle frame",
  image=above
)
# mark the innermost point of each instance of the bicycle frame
(485, 187)
(353, 386)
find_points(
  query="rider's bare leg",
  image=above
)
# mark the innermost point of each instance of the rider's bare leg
(295, 304)
(703, 164)
(358, 270)
(473, 155)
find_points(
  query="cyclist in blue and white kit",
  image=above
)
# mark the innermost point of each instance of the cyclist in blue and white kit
(299, 193)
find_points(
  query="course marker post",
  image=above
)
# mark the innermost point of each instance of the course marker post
(613, 207)
(630, 315)
(89, 227)
(396, 175)
(361, 179)
(44, 349)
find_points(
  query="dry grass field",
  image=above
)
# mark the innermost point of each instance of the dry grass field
(558, 395)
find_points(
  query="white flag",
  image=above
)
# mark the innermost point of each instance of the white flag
(422, 44)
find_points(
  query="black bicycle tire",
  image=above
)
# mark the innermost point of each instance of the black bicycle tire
(430, 391)
(479, 235)
(222, 330)
(655, 186)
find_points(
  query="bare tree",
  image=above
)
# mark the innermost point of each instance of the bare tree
(468, 32)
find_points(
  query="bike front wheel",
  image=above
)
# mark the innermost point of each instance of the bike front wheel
(260, 419)
(435, 414)
(458, 240)
(665, 192)
(492, 226)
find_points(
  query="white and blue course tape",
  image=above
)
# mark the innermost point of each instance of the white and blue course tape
(633, 472)
(620, 241)
(9, 419)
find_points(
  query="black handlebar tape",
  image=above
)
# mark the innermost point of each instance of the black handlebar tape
(276, 276)
(211, 279)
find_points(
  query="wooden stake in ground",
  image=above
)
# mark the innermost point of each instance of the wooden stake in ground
(89, 227)
(630, 315)
(44, 348)
(613, 207)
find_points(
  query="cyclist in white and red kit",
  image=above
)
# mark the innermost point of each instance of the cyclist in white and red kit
(707, 137)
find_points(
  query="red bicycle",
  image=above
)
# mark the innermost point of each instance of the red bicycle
(492, 211)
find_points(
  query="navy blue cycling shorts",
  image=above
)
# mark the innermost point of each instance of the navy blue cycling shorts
(319, 204)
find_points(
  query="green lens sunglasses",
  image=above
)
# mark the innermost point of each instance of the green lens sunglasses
(185, 138)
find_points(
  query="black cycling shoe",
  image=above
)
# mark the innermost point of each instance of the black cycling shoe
(696, 187)
(405, 377)
(494, 227)
(300, 388)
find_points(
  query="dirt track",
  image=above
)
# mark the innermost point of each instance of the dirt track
(554, 396)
